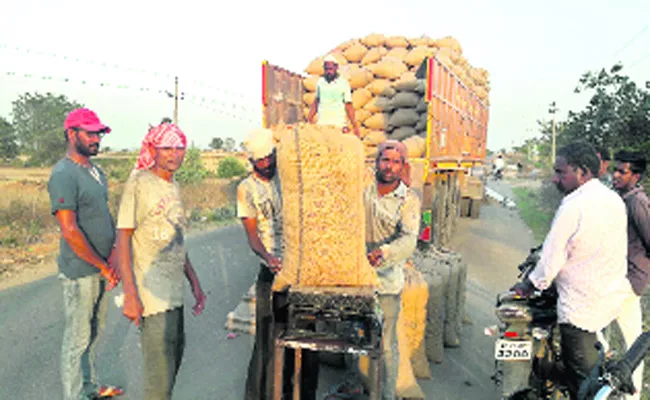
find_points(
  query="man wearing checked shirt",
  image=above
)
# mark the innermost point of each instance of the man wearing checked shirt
(392, 226)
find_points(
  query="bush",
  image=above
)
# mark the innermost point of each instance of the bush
(192, 170)
(231, 167)
(117, 169)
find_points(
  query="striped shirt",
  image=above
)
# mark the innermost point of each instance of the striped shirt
(392, 224)
(261, 200)
(585, 253)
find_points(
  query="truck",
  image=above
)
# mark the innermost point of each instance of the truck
(448, 177)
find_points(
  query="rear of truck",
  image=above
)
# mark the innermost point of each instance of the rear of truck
(456, 134)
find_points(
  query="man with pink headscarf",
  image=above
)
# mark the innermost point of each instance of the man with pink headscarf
(152, 258)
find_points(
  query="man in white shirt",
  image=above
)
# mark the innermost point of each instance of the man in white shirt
(333, 101)
(585, 254)
(499, 164)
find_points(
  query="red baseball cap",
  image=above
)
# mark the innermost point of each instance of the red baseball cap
(85, 119)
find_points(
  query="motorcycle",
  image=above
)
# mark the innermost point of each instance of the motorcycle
(527, 350)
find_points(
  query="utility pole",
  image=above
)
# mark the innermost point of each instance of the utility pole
(552, 110)
(176, 96)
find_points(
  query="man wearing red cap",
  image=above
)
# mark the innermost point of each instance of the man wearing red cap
(79, 199)
(153, 260)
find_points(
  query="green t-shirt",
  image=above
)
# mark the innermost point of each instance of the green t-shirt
(84, 191)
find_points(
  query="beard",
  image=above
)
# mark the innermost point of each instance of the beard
(87, 151)
(383, 177)
(266, 173)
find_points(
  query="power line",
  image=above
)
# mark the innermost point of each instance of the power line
(629, 42)
(228, 109)
(110, 65)
(632, 65)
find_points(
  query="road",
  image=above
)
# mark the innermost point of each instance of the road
(214, 367)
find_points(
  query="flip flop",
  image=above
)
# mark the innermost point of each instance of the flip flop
(107, 391)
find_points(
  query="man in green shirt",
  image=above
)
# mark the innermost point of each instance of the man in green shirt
(78, 193)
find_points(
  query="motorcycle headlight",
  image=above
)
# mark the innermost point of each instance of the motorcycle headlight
(509, 312)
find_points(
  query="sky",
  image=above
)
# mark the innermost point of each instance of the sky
(535, 53)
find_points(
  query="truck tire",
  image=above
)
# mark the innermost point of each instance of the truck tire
(475, 208)
(438, 211)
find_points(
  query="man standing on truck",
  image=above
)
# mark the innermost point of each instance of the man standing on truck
(392, 227)
(588, 268)
(79, 200)
(259, 206)
(333, 100)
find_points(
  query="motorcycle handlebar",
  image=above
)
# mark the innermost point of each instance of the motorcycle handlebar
(637, 352)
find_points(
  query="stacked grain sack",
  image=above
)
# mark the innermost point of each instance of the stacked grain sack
(387, 97)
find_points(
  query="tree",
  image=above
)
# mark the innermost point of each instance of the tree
(229, 144)
(8, 145)
(216, 143)
(38, 123)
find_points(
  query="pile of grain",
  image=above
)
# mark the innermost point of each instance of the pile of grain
(387, 97)
(321, 172)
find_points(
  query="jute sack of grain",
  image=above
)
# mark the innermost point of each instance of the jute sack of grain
(389, 68)
(370, 151)
(416, 56)
(355, 52)
(379, 104)
(415, 145)
(319, 250)
(345, 45)
(310, 82)
(403, 133)
(396, 41)
(315, 67)
(374, 55)
(407, 77)
(422, 122)
(411, 85)
(422, 106)
(308, 98)
(397, 53)
(360, 98)
(421, 41)
(376, 122)
(379, 86)
(374, 138)
(359, 78)
(374, 40)
(403, 117)
(450, 42)
(433, 337)
(361, 115)
(414, 308)
(405, 100)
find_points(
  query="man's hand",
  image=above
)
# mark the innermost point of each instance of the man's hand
(111, 275)
(199, 296)
(523, 289)
(274, 263)
(356, 131)
(375, 257)
(133, 308)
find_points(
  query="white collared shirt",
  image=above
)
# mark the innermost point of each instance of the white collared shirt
(586, 254)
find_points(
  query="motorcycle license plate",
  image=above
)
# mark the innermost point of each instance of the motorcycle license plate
(512, 350)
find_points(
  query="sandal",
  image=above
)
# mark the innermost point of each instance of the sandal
(107, 391)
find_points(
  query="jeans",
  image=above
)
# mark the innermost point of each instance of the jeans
(84, 304)
(162, 337)
(579, 355)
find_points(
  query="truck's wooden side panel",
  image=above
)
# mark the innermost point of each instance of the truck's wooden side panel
(282, 93)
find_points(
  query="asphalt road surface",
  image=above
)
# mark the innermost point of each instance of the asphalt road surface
(214, 366)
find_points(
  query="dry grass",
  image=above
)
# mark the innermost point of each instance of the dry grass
(29, 232)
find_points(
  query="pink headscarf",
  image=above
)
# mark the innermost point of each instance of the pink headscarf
(163, 135)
